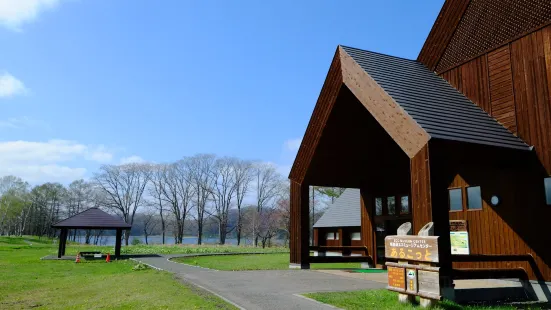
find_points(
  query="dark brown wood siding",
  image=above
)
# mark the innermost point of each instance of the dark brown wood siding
(442, 32)
(501, 88)
(531, 65)
(368, 224)
(514, 226)
(421, 205)
(300, 212)
(513, 83)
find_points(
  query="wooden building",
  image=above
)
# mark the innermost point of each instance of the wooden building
(340, 226)
(461, 133)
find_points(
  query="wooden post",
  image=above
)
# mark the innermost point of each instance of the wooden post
(62, 242)
(118, 243)
(300, 226)
(368, 227)
(404, 230)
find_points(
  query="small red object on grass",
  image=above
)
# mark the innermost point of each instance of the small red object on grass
(78, 258)
(108, 259)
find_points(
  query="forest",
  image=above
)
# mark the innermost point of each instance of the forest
(201, 195)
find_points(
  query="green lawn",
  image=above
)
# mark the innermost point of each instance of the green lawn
(384, 299)
(27, 282)
(254, 262)
(73, 248)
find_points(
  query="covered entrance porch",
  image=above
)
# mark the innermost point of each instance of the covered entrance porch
(377, 127)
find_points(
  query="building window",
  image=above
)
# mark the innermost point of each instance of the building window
(474, 198)
(378, 206)
(404, 202)
(356, 236)
(336, 236)
(330, 236)
(547, 184)
(391, 205)
(456, 199)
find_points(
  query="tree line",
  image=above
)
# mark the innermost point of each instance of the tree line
(244, 198)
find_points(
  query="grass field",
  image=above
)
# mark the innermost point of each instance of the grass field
(27, 282)
(73, 248)
(254, 262)
(384, 299)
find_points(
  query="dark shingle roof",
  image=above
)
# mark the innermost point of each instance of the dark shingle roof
(344, 212)
(440, 109)
(92, 218)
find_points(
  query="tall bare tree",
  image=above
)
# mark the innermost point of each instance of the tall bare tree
(158, 177)
(201, 178)
(179, 174)
(124, 187)
(268, 183)
(242, 170)
(223, 191)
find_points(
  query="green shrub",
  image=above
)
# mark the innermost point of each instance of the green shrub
(140, 266)
(136, 241)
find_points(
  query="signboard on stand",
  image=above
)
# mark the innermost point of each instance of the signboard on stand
(415, 272)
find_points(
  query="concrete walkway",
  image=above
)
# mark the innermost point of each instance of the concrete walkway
(269, 289)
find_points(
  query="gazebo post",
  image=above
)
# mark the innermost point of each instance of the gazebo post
(62, 242)
(118, 242)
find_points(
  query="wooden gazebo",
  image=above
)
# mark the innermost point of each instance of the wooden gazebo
(92, 218)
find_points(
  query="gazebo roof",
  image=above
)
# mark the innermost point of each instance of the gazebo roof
(92, 218)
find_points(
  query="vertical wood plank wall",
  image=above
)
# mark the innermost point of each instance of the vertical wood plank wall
(300, 217)
(368, 225)
(513, 84)
(421, 205)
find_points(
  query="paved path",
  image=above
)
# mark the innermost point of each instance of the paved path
(270, 289)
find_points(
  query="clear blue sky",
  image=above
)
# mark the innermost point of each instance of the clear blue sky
(88, 82)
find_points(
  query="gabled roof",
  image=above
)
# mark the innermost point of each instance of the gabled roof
(409, 101)
(344, 212)
(440, 109)
(92, 218)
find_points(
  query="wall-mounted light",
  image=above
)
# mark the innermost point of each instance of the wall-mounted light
(495, 200)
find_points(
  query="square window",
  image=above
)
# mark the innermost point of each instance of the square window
(391, 204)
(356, 236)
(330, 236)
(456, 199)
(547, 184)
(378, 206)
(404, 202)
(474, 198)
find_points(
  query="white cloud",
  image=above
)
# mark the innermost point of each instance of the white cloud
(292, 144)
(54, 160)
(14, 13)
(22, 122)
(131, 159)
(9, 85)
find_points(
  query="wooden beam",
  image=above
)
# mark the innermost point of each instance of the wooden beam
(367, 220)
(300, 219)
(62, 242)
(403, 129)
(118, 243)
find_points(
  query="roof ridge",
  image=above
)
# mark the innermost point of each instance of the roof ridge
(379, 53)
(70, 217)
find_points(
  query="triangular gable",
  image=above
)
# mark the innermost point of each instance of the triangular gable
(465, 29)
(410, 102)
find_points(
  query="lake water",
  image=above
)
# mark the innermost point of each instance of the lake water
(110, 240)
